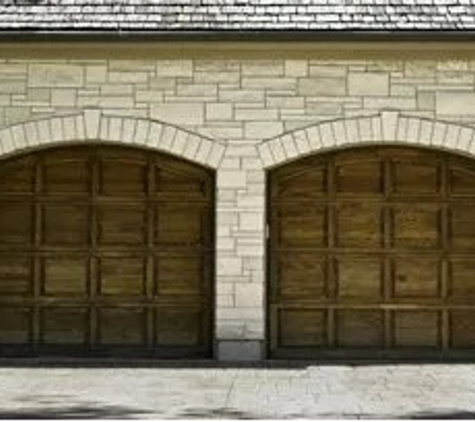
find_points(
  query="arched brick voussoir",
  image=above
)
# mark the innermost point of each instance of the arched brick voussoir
(383, 128)
(93, 126)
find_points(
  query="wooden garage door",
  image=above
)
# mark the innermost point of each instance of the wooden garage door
(372, 254)
(105, 251)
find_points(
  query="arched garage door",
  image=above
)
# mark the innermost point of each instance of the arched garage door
(372, 254)
(105, 251)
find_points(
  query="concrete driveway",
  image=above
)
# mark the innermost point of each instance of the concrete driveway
(389, 391)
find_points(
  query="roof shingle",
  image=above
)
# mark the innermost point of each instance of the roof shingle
(237, 15)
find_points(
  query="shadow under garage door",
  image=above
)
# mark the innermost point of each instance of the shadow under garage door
(372, 255)
(105, 251)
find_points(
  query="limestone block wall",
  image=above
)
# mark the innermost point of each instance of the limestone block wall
(239, 116)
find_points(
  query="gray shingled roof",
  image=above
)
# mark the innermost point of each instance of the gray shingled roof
(248, 15)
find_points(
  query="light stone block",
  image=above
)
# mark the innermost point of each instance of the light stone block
(265, 154)
(322, 87)
(178, 113)
(174, 68)
(55, 75)
(249, 295)
(455, 103)
(296, 68)
(232, 179)
(277, 150)
(92, 120)
(215, 155)
(389, 121)
(368, 84)
(219, 111)
(251, 221)
(262, 130)
(128, 130)
(229, 266)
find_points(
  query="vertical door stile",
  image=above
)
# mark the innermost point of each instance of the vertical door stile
(387, 288)
(150, 254)
(37, 240)
(332, 244)
(93, 162)
(445, 261)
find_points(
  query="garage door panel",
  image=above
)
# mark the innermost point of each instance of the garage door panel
(426, 175)
(416, 278)
(15, 275)
(178, 327)
(66, 178)
(181, 226)
(16, 325)
(462, 324)
(462, 226)
(64, 326)
(359, 225)
(121, 225)
(358, 278)
(301, 226)
(16, 223)
(120, 178)
(360, 328)
(122, 276)
(359, 177)
(64, 275)
(17, 177)
(398, 240)
(179, 275)
(462, 279)
(175, 183)
(302, 276)
(415, 329)
(303, 181)
(125, 326)
(302, 328)
(416, 226)
(462, 182)
(65, 225)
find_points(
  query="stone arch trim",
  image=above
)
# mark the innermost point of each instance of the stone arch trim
(93, 126)
(386, 127)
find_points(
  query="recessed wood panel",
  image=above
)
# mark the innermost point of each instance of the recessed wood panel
(416, 277)
(178, 275)
(66, 177)
(15, 275)
(302, 226)
(359, 225)
(121, 225)
(413, 178)
(358, 278)
(360, 329)
(416, 227)
(105, 251)
(359, 178)
(178, 327)
(417, 329)
(385, 267)
(64, 275)
(17, 177)
(462, 279)
(122, 276)
(16, 223)
(301, 276)
(463, 226)
(60, 326)
(122, 178)
(302, 328)
(308, 182)
(65, 225)
(121, 326)
(180, 226)
(15, 327)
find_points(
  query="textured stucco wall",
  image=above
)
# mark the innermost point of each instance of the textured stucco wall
(238, 116)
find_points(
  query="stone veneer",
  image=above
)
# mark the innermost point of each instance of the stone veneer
(238, 117)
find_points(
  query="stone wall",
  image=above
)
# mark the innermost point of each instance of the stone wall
(240, 117)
